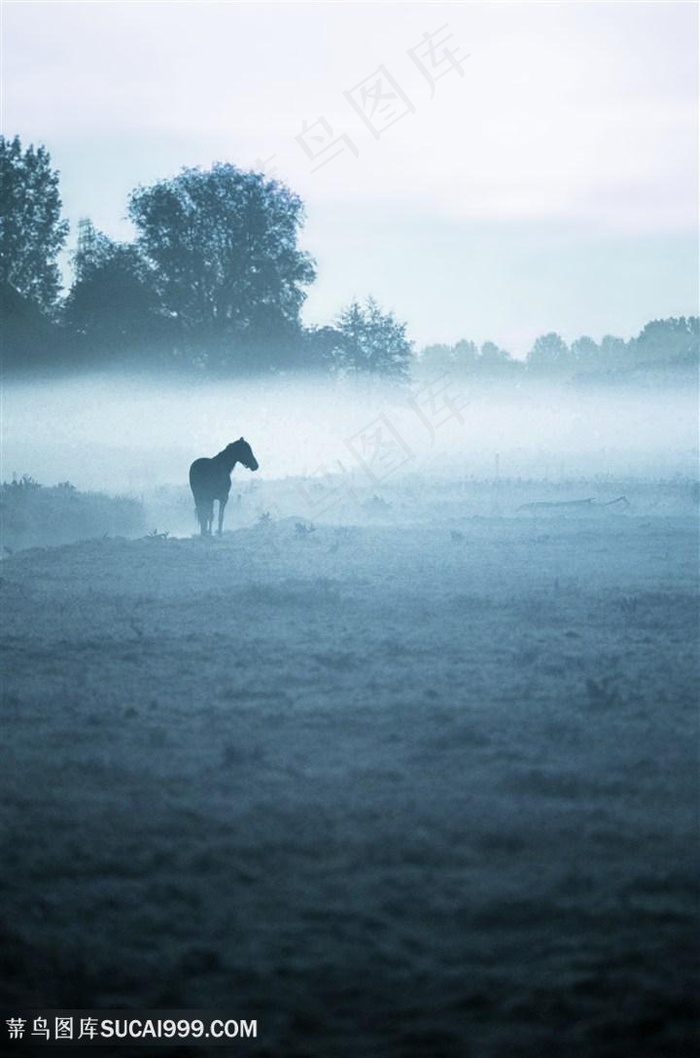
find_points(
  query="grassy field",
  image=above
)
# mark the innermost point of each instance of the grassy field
(418, 784)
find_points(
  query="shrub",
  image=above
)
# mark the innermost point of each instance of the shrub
(33, 515)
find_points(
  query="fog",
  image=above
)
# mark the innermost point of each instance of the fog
(134, 435)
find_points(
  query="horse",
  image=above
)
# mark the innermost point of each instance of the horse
(210, 479)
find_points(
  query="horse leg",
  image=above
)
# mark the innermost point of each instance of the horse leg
(205, 515)
(222, 508)
(201, 517)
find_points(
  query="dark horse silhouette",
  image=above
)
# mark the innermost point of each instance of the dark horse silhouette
(210, 479)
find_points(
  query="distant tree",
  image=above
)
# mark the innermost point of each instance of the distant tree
(466, 359)
(614, 353)
(490, 353)
(372, 342)
(585, 352)
(465, 356)
(436, 359)
(113, 306)
(673, 341)
(549, 355)
(460, 358)
(32, 233)
(494, 360)
(223, 246)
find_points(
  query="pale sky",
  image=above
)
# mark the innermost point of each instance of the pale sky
(486, 171)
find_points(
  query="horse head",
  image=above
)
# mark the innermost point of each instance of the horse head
(244, 454)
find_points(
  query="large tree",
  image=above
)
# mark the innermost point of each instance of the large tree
(223, 246)
(32, 233)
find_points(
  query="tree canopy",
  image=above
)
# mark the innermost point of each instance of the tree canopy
(32, 233)
(223, 247)
(371, 342)
(549, 353)
(671, 341)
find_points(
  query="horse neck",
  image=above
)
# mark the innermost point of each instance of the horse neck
(228, 459)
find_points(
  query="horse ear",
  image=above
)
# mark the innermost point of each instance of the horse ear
(240, 438)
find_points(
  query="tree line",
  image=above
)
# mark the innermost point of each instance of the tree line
(214, 282)
(663, 348)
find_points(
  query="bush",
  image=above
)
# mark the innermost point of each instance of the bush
(32, 515)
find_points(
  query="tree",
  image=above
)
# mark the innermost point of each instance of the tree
(460, 358)
(223, 246)
(585, 352)
(673, 341)
(494, 360)
(32, 233)
(29, 340)
(371, 342)
(321, 348)
(614, 353)
(113, 306)
(93, 251)
(465, 356)
(550, 354)
(436, 358)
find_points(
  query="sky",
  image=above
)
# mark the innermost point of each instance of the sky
(490, 171)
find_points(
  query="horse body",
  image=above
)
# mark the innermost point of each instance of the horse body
(210, 479)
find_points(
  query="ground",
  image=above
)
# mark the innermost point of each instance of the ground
(419, 784)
